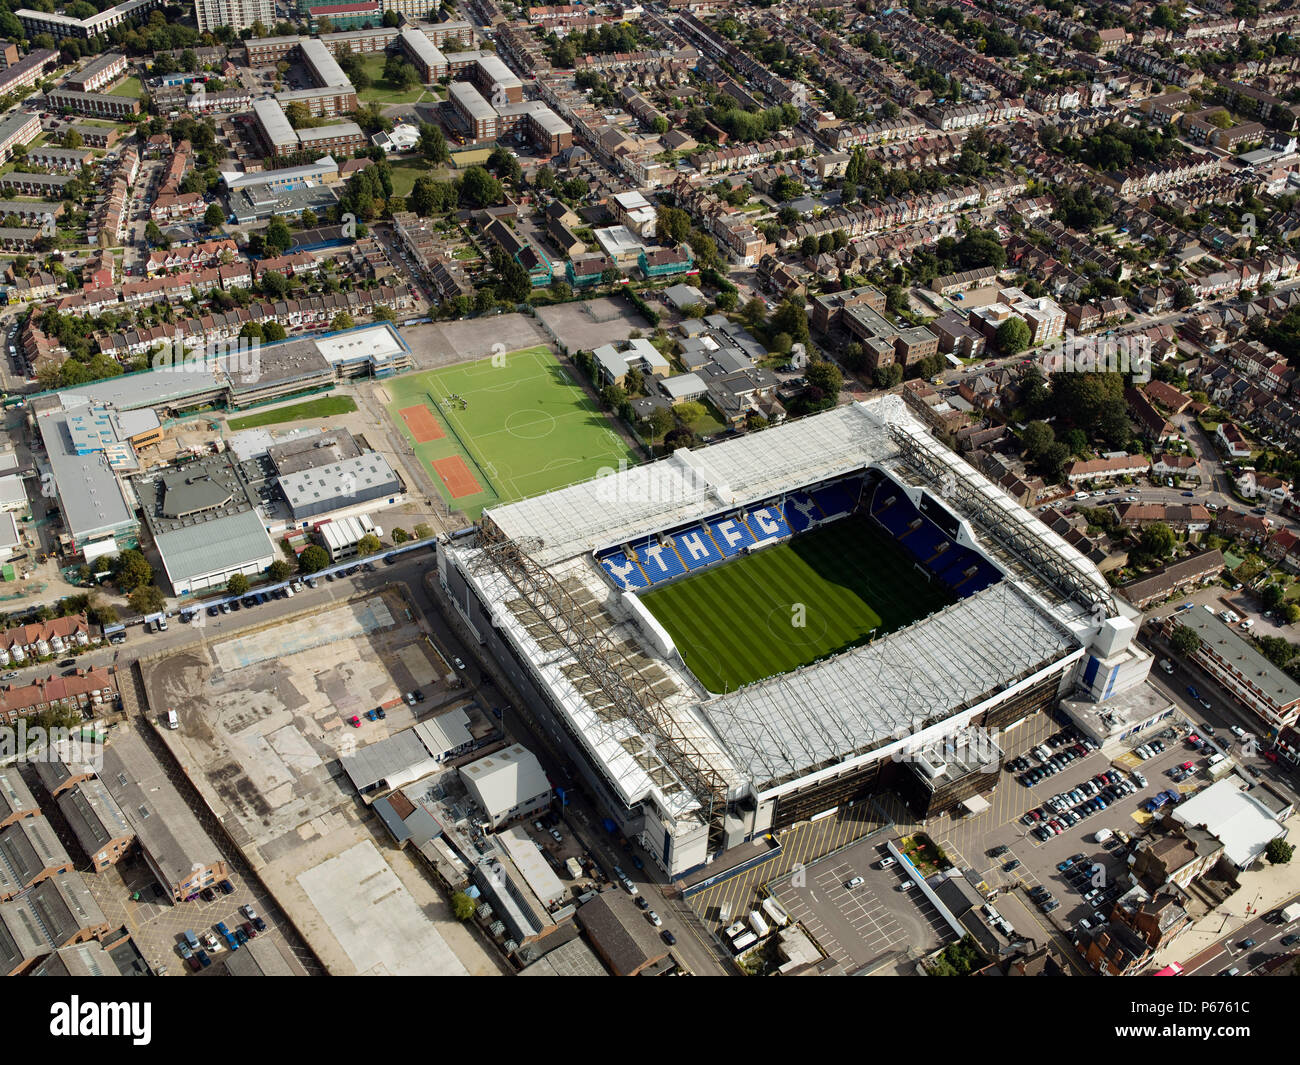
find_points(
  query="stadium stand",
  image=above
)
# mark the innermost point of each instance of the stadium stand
(659, 561)
(667, 556)
(731, 535)
(800, 511)
(623, 571)
(961, 569)
(767, 524)
(696, 548)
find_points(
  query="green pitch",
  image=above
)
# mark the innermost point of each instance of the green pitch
(791, 604)
(526, 428)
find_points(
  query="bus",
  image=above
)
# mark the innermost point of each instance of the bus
(1172, 969)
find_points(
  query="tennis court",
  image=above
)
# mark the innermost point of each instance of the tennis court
(455, 476)
(518, 423)
(423, 425)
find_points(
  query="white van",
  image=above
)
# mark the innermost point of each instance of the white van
(172, 720)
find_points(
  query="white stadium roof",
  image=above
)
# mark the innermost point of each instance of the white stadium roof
(828, 712)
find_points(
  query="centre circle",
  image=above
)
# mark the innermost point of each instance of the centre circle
(530, 425)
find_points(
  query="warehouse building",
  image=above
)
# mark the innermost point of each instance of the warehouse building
(508, 785)
(205, 523)
(351, 482)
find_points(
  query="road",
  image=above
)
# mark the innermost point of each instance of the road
(1231, 951)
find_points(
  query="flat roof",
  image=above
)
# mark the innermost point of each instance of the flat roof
(471, 100)
(1237, 819)
(357, 479)
(214, 545)
(274, 122)
(88, 488)
(419, 43)
(317, 56)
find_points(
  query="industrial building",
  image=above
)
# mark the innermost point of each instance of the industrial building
(174, 845)
(508, 785)
(204, 521)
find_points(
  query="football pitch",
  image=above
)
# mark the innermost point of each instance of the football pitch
(503, 428)
(791, 604)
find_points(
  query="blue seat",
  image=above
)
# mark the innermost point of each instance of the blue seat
(800, 511)
(835, 500)
(696, 548)
(659, 563)
(731, 535)
(767, 523)
(623, 572)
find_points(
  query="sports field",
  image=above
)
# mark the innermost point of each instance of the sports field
(503, 428)
(791, 604)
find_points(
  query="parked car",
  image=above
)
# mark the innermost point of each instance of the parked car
(857, 881)
(227, 888)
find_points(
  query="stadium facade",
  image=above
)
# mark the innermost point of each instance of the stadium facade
(549, 586)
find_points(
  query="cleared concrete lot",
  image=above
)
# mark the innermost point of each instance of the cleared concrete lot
(867, 924)
(448, 343)
(590, 323)
(263, 722)
(375, 919)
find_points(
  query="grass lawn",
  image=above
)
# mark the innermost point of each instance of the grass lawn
(325, 407)
(405, 174)
(737, 623)
(379, 89)
(527, 428)
(130, 87)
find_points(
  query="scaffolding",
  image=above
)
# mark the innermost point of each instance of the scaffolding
(608, 666)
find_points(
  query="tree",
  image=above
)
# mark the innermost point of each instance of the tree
(1185, 641)
(433, 144)
(680, 437)
(1013, 336)
(274, 285)
(313, 559)
(888, 376)
(658, 422)
(278, 239)
(1278, 852)
(342, 320)
(214, 215)
(1158, 540)
(478, 188)
(147, 599)
(400, 536)
(826, 376)
(399, 73)
(237, 585)
(103, 614)
(130, 570)
(273, 331)
(1273, 595)
(463, 906)
(368, 545)
(279, 570)
(1037, 438)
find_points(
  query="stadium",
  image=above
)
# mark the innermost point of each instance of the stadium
(733, 639)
